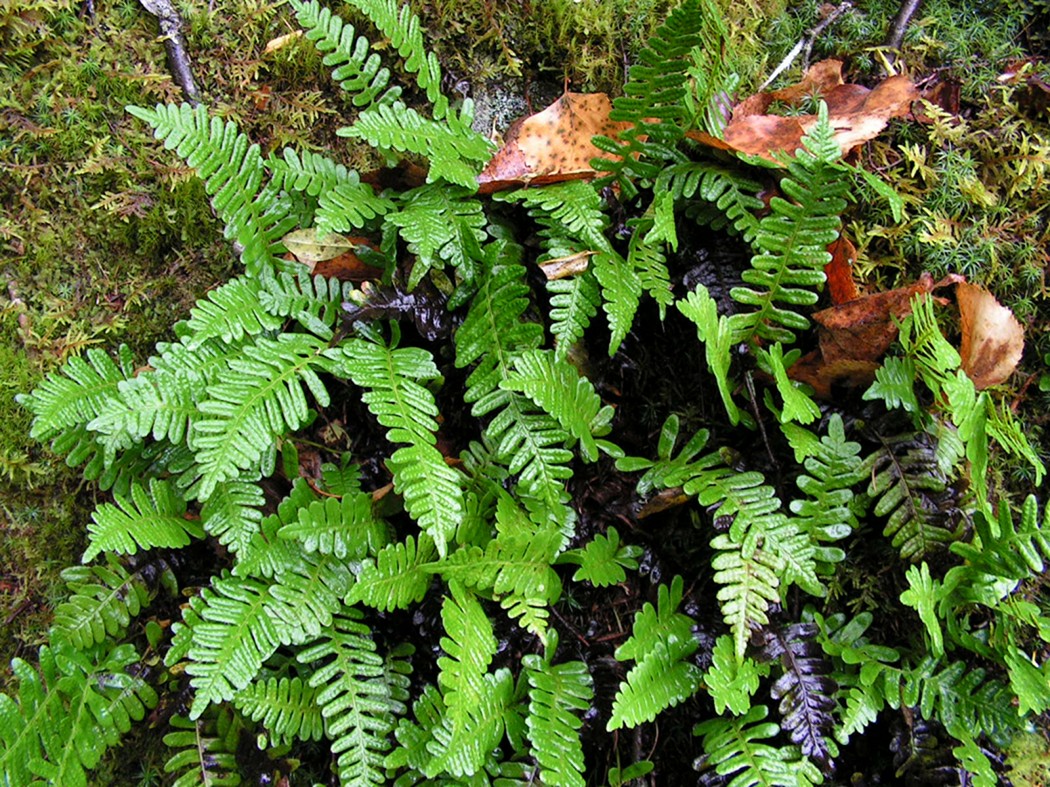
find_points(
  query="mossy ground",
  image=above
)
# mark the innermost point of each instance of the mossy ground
(103, 239)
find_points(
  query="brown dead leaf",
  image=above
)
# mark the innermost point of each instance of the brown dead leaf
(992, 338)
(839, 271)
(854, 336)
(553, 145)
(856, 113)
(332, 255)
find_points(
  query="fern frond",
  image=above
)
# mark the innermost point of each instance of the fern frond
(731, 683)
(1005, 549)
(792, 243)
(305, 596)
(358, 70)
(911, 491)
(230, 313)
(345, 528)
(668, 471)
(267, 555)
(733, 194)
(661, 640)
(397, 577)
(654, 101)
(349, 205)
(650, 264)
(805, 690)
(232, 634)
(259, 398)
(207, 749)
(717, 335)
(76, 393)
(307, 172)
(735, 748)
(156, 518)
(233, 513)
(431, 489)
(359, 702)
(573, 303)
(603, 560)
(102, 601)
(440, 223)
(232, 171)
(454, 150)
(64, 717)
(315, 303)
(287, 708)
(751, 582)
(798, 405)
(557, 387)
(558, 693)
(621, 293)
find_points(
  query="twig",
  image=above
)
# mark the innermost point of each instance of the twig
(805, 44)
(175, 43)
(900, 26)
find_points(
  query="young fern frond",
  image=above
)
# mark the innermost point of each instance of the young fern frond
(557, 694)
(731, 684)
(206, 749)
(260, 397)
(791, 242)
(287, 708)
(397, 577)
(661, 642)
(736, 748)
(573, 303)
(432, 490)
(358, 70)
(149, 519)
(715, 332)
(67, 714)
(603, 561)
(359, 698)
(102, 601)
(232, 170)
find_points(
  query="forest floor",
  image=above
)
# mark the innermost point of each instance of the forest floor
(103, 240)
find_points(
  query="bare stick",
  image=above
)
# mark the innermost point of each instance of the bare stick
(175, 43)
(896, 35)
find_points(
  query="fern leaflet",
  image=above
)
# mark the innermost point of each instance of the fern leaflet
(156, 518)
(287, 708)
(102, 601)
(207, 749)
(397, 577)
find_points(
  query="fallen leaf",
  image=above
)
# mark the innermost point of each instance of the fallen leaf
(553, 145)
(563, 267)
(839, 271)
(332, 256)
(854, 336)
(992, 338)
(309, 248)
(855, 112)
(281, 41)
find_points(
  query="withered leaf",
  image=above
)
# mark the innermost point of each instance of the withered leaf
(855, 112)
(310, 248)
(553, 145)
(332, 256)
(992, 338)
(839, 271)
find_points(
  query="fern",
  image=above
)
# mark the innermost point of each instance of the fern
(232, 171)
(156, 518)
(350, 205)
(911, 491)
(557, 693)
(805, 690)
(315, 303)
(791, 242)
(359, 698)
(287, 708)
(731, 683)
(67, 714)
(259, 398)
(1002, 549)
(102, 601)
(344, 528)
(661, 641)
(358, 70)
(736, 748)
(207, 750)
(233, 513)
(717, 335)
(432, 490)
(308, 172)
(603, 561)
(573, 303)
(397, 577)
(733, 194)
(231, 312)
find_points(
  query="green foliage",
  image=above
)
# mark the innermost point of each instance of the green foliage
(603, 561)
(206, 749)
(287, 707)
(731, 684)
(156, 518)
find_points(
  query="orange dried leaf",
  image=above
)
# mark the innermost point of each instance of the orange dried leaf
(552, 145)
(992, 338)
(839, 271)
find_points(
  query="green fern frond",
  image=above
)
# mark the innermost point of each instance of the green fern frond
(440, 224)
(454, 150)
(267, 555)
(798, 405)
(233, 513)
(232, 171)
(287, 708)
(895, 385)
(232, 633)
(557, 387)
(731, 683)
(345, 528)
(102, 601)
(413, 736)
(358, 700)
(557, 694)
(307, 172)
(573, 303)
(397, 577)
(259, 398)
(571, 210)
(750, 583)
(621, 293)
(735, 748)
(156, 518)
(77, 392)
(315, 303)
(660, 643)
(431, 489)
(358, 70)
(350, 205)
(733, 194)
(603, 561)
(650, 264)
(206, 753)
(792, 243)
(305, 596)
(654, 101)
(667, 471)
(909, 489)
(230, 313)
(1003, 549)
(717, 335)
(67, 714)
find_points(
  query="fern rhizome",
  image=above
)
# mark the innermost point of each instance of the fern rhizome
(398, 519)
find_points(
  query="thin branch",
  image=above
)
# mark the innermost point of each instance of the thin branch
(895, 37)
(175, 43)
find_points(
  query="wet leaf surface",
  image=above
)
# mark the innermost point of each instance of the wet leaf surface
(992, 338)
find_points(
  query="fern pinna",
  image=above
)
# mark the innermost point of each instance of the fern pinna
(399, 550)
